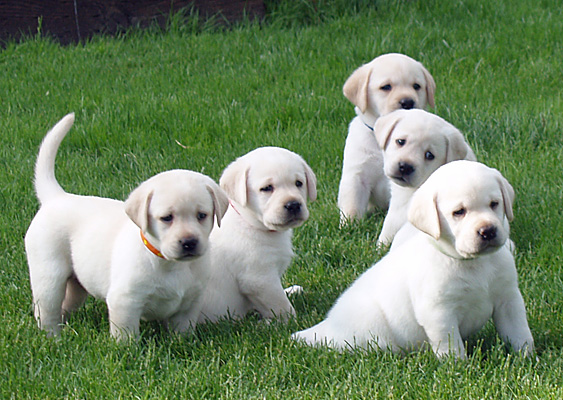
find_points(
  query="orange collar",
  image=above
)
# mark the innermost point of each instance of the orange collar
(149, 246)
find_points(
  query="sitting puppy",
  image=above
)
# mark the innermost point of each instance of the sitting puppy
(389, 82)
(415, 143)
(268, 190)
(453, 272)
(146, 257)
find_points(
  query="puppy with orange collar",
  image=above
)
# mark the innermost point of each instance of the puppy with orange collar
(147, 257)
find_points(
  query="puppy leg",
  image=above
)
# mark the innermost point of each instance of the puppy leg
(363, 180)
(269, 298)
(445, 338)
(353, 197)
(124, 317)
(293, 290)
(48, 276)
(512, 325)
(74, 298)
(184, 321)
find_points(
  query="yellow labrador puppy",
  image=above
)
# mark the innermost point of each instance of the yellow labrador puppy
(146, 257)
(268, 189)
(451, 274)
(415, 143)
(389, 82)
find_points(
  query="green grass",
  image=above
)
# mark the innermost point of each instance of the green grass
(196, 96)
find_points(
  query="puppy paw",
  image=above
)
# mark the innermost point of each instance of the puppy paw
(293, 290)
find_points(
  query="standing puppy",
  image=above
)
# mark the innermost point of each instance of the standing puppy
(147, 257)
(415, 143)
(389, 82)
(268, 190)
(451, 274)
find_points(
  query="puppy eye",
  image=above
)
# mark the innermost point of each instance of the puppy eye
(298, 183)
(459, 213)
(167, 218)
(494, 204)
(386, 88)
(268, 188)
(201, 216)
(416, 86)
(429, 156)
(401, 142)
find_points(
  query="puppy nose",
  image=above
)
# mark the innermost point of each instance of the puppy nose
(293, 207)
(405, 168)
(488, 233)
(189, 245)
(406, 104)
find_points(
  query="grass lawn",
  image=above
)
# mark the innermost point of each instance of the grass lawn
(198, 97)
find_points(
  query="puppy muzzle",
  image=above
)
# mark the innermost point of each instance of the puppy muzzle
(189, 247)
(407, 103)
(403, 174)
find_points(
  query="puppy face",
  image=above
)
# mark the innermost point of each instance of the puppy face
(176, 208)
(415, 143)
(466, 207)
(390, 82)
(273, 184)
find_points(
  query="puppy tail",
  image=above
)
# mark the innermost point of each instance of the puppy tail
(46, 185)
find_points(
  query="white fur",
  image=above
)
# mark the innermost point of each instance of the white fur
(80, 245)
(446, 277)
(387, 83)
(408, 139)
(252, 249)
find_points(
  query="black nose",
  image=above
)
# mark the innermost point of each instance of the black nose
(405, 169)
(488, 233)
(406, 104)
(189, 245)
(293, 207)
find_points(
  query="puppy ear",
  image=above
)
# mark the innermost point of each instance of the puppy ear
(356, 87)
(423, 212)
(457, 148)
(220, 201)
(137, 207)
(508, 196)
(430, 87)
(384, 127)
(234, 181)
(311, 182)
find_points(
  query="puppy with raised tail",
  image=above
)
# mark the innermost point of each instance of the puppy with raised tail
(147, 257)
(414, 143)
(390, 82)
(453, 272)
(268, 190)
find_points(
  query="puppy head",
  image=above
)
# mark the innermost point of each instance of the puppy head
(390, 82)
(415, 143)
(465, 206)
(176, 209)
(272, 186)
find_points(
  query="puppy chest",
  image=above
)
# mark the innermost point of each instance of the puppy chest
(473, 316)
(167, 299)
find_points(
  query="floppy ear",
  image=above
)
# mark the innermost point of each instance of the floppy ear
(457, 148)
(384, 127)
(137, 206)
(311, 182)
(430, 87)
(234, 181)
(220, 201)
(356, 87)
(423, 212)
(508, 196)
